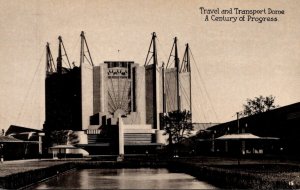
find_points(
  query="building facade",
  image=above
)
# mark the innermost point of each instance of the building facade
(115, 106)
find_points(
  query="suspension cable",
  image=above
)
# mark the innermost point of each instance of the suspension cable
(30, 86)
(204, 87)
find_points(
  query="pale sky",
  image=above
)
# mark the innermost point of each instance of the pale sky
(235, 61)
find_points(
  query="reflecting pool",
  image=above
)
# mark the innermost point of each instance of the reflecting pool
(141, 178)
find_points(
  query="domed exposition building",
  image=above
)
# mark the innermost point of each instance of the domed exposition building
(115, 107)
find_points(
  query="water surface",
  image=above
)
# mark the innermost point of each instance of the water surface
(141, 178)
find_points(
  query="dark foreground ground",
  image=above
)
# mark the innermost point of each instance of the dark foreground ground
(222, 172)
(235, 173)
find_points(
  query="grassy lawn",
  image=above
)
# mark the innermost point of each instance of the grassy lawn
(282, 175)
(8, 168)
(253, 174)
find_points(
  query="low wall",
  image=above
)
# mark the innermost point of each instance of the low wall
(123, 164)
(22, 179)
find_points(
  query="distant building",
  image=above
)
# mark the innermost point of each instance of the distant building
(198, 127)
(23, 133)
(28, 147)
(282, 123)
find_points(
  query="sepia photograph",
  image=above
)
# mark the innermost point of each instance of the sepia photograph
(139, 94)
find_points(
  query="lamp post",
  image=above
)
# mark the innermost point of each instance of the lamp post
(238, 122)
(40, 144)
(1, 152)
(226, 142)
(213, 142)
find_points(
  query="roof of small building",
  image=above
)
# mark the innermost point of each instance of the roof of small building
(244, 136)
(9, 139)
(64, 146)
(13, 129)
(238, 136)
(203, 126)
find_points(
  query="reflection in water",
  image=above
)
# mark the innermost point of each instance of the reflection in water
(142, 178)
